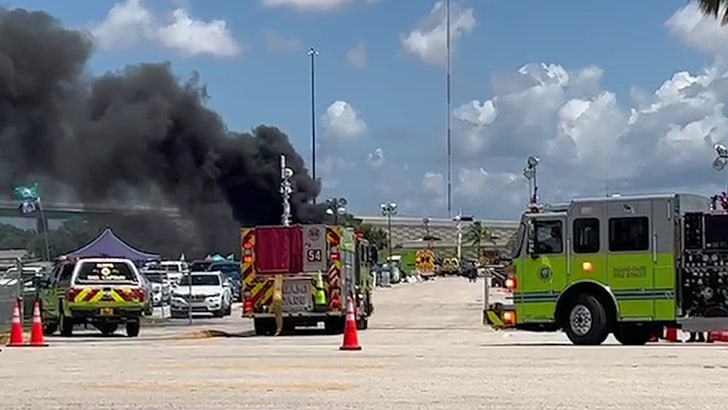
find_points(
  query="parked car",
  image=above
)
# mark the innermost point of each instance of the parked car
(175, 269)
(161, 286)
(203, 292)
(30, 276)
(231, 272)
(146, 286)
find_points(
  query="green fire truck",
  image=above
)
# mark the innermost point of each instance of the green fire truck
(627, 266)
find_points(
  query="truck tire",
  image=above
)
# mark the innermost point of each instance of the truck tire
(65, 323)
(49, 328)
(585, 321)
(132, 328)
(632, 334)
(264, 326)
(362, 323)
(334, 325)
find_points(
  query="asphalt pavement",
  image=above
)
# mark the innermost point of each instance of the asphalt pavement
(425, 349)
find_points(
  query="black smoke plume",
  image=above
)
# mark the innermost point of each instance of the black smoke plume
(132, 135)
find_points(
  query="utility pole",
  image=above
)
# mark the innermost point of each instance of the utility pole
(389, 210)
(449, 114)
(313, 53)
(459, 219)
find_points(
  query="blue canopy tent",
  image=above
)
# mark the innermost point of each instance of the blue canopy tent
(107, 244)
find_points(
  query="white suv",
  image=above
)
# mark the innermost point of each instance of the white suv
(207, 293)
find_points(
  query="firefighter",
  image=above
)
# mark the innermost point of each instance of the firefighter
(276, 305)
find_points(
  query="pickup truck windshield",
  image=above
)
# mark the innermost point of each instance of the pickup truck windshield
(200, 266)
(156, 277)
(200, 280)
(106, 272)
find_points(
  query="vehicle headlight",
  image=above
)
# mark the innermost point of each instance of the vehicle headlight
(215, 295)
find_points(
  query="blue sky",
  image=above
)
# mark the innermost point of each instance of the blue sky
(602, 63)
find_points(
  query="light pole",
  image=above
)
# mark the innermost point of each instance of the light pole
(336, 207)
(449, 110)
(286, 190)
(389, 210)
(529, 172)
(313, 53)
(428, 237)
(459, 219)
(719, 164)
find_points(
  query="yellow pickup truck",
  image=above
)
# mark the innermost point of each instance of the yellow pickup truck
(103, 292)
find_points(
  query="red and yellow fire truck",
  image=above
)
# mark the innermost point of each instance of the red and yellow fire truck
(321, 266)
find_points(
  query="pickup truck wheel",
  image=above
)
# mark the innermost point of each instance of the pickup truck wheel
(585, 321)
(49, 328)
(132, 329)
(65, 324)
(631, 334)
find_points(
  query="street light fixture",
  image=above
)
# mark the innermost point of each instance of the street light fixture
(459, 219)
(719, 164)
(389, 210)
(336, 207)
(529, 172)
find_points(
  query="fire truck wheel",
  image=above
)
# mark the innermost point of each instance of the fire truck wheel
(334, 325)
(585, 321)
(632, 334)
(264, 326)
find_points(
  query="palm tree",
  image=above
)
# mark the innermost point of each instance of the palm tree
(477, 234)
(715, 9)
(376, 236)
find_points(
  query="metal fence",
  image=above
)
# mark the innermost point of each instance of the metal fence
(10, 288)
(18, 282)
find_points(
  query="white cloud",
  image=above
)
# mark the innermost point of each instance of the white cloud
(433, 184)
(130, 23)
(330, 169)
(429, 40)
(588, 141)
(342, 121)
(312, 5)
(357, 56)
(376, 158)
(274, 41)
(704, 34)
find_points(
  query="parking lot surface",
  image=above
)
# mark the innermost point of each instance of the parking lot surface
(425, 349)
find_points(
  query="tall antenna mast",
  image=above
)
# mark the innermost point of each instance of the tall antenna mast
(449, 113)
(286, 190)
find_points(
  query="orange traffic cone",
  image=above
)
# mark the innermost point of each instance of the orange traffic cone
(36, 332)
(351, 338)
(16, 330)
(671, 335)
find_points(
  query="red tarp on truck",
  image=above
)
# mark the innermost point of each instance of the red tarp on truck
(279, 249)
